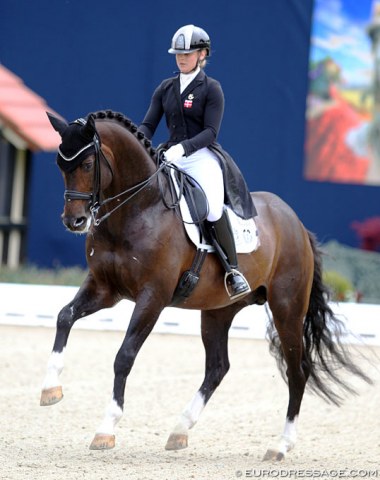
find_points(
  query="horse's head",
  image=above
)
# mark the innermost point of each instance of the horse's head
(79, 159)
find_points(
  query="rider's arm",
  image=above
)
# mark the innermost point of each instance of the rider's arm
(153, 115)
(212, 119)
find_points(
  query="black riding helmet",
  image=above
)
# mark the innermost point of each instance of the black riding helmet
(188, 39)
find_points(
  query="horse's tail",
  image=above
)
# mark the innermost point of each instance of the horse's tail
(324, 353)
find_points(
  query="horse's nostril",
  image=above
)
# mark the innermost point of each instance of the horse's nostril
(78, 222)
(74, 223)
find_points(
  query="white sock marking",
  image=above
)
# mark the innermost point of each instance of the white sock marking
(54, 369)
(190, 415)
(289, 436)
(112, 416)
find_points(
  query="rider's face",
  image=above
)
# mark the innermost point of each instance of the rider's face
(187, 62)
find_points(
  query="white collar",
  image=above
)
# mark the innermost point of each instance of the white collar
(187, 78)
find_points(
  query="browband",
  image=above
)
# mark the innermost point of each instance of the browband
(69, 159)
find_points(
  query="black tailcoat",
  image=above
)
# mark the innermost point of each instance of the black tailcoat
(193, 119)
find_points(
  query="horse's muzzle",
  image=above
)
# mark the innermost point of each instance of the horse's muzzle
(80, 224)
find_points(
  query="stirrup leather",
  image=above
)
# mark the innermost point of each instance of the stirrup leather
(230, 293)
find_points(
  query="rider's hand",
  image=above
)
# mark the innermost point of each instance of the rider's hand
(174, 153)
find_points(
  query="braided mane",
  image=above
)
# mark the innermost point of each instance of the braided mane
(129, 125)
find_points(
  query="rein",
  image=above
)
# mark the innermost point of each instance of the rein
(163, 166)
(135, 189)
(94, 197)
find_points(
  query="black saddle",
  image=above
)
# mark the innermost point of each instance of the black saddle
(195, 197)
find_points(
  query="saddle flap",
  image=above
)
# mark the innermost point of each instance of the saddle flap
(194, 196)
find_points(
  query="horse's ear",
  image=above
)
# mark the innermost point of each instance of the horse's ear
(58, 124)
(89, 129)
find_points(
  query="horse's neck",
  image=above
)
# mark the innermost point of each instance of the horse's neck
(134, 178)
(132, 170)
(132, 163)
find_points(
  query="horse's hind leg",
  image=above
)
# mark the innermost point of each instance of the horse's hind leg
(214, 328)
(289, 325)
(88, 300)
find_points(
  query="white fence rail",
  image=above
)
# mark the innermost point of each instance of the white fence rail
(38, 305)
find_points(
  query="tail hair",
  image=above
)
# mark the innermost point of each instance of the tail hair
(324, 355)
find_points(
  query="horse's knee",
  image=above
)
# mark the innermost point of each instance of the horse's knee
(65, 319)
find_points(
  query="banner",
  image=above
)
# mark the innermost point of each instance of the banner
(343, 105)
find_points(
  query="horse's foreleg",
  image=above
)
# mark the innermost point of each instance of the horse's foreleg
(297, 373)
(215, 326)
(88, 300)
(144, 317)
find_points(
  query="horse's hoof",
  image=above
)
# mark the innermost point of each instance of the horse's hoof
(103, 441)
(273, 455)
(50, 396)
(176, 441)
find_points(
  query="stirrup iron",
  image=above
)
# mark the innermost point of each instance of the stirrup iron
(228, 288)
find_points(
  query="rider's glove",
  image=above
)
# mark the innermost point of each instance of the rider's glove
(174, 153)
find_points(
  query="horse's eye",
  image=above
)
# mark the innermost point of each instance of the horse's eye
(87, 166)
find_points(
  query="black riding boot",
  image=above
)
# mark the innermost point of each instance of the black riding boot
(224, 243)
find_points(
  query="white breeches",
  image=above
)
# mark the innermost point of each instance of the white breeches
(204, 167)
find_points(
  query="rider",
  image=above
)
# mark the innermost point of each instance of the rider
(193, 105)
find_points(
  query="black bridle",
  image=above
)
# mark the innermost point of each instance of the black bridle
(94, 197)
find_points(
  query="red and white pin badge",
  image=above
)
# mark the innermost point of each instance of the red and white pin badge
(189, 101)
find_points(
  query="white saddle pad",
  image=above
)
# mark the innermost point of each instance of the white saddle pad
(245, 231)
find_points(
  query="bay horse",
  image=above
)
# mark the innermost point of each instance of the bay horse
(137, 249)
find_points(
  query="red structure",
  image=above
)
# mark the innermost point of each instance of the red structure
(23, 113)
(369, 233)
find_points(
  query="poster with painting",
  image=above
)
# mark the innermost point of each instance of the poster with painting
(342, 142)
